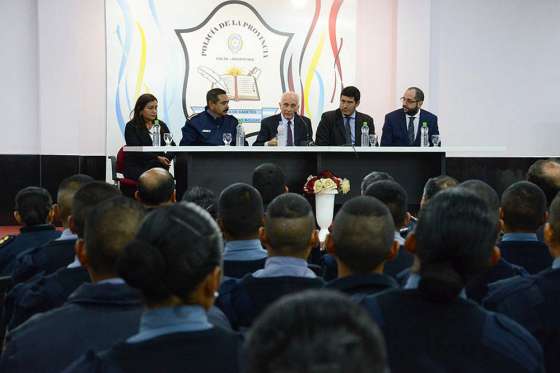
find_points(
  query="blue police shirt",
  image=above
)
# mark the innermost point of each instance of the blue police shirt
(203, 129)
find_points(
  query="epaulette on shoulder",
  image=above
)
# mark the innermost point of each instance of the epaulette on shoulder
(6, 240)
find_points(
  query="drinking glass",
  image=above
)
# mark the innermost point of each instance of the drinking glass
(167, 138)
(373, 140)
(227, 138)
(436, 140)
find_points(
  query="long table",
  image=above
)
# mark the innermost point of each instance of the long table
(217, 167)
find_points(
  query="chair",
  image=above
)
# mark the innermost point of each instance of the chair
(126, 185)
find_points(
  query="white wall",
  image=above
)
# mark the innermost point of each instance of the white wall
(488, 68)
(19, 69)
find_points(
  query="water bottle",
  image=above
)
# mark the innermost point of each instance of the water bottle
(424, 140)
(281, 136)
(156, 137)
(365, 135)
(240, 135)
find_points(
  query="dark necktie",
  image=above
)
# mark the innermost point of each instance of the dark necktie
(290, 141)
(411, 130)
(347, 130)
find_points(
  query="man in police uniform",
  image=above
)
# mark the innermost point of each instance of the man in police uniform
(208, 127)
(33, 210)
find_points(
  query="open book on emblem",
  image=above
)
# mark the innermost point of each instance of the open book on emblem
(239, 87)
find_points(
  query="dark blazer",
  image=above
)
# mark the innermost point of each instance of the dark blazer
(136, 163)
(534, 302)
(94, 317)
(456, 336)
(395, 131)
(28, 239)
(360, 286)
(531, 255)
(303, 133)
(47, 259)
(210, 351)
(477, 288)
(41, 294)
(330, 131)
(239, 268)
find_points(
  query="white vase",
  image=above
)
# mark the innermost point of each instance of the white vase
(324, 210)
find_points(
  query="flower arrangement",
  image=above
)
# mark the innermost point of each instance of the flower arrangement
(325, 181)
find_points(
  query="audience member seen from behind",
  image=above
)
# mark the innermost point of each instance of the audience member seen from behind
(455, 239)
(522, 212)
(240, 215)
(288, 235)
(371, 178)
(546, 174)
(396, 199)
(477, 288)
(139, 131)
(321, 331)
(534, 301)
(362, 239)
(156, 187)
(435, 185)
(204, 198)
(45, 292)
(34, 211)
(270, 181)
(175, 263)
(96, 315)
(58, 252)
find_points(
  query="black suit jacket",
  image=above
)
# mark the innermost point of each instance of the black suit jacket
(330, 130)
(395, 128)
(303, 133)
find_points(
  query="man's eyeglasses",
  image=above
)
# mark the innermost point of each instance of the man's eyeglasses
(408, 100)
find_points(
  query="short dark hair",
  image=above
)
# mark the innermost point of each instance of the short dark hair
(546, 174)
(372, 177)
(315, 331)
(204, 198)
(351, 91)
(213, 95)
(418, 94)
(86, 198)
(455, 236)
(484, 191)
(108, 228)
(175, 248)
(393, 196)
(436, 184)
(289, 223)
(240, 210)
(66, 191)
(554, 217)
(155, 186)
(33, 205)
(523, 206)
(269, 180)
(363, 233)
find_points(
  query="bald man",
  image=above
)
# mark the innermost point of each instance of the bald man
(297, 128)
(156, 187)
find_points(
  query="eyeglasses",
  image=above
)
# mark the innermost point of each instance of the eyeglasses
(408, 101)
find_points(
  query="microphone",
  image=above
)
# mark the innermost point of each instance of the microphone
(308, 140)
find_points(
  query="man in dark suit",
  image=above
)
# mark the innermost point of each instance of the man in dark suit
(402, 127)
(343, 126)
(297, 128)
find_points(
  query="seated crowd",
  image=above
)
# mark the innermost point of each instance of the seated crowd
(239, 282)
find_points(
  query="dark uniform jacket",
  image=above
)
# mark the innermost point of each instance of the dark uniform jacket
(534, 302)
(239, 268)
(94, 317)
(47, 259)
(477, 288)
(360, 286)
(456, 336)
(29, 238)
(135, 163)
(531, 255)
(331, 130)
(203, 129)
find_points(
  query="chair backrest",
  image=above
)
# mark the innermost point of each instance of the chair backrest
(120, 160)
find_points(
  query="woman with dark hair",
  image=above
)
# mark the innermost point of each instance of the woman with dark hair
(139, 131)
(431, 325)
(175, 261)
